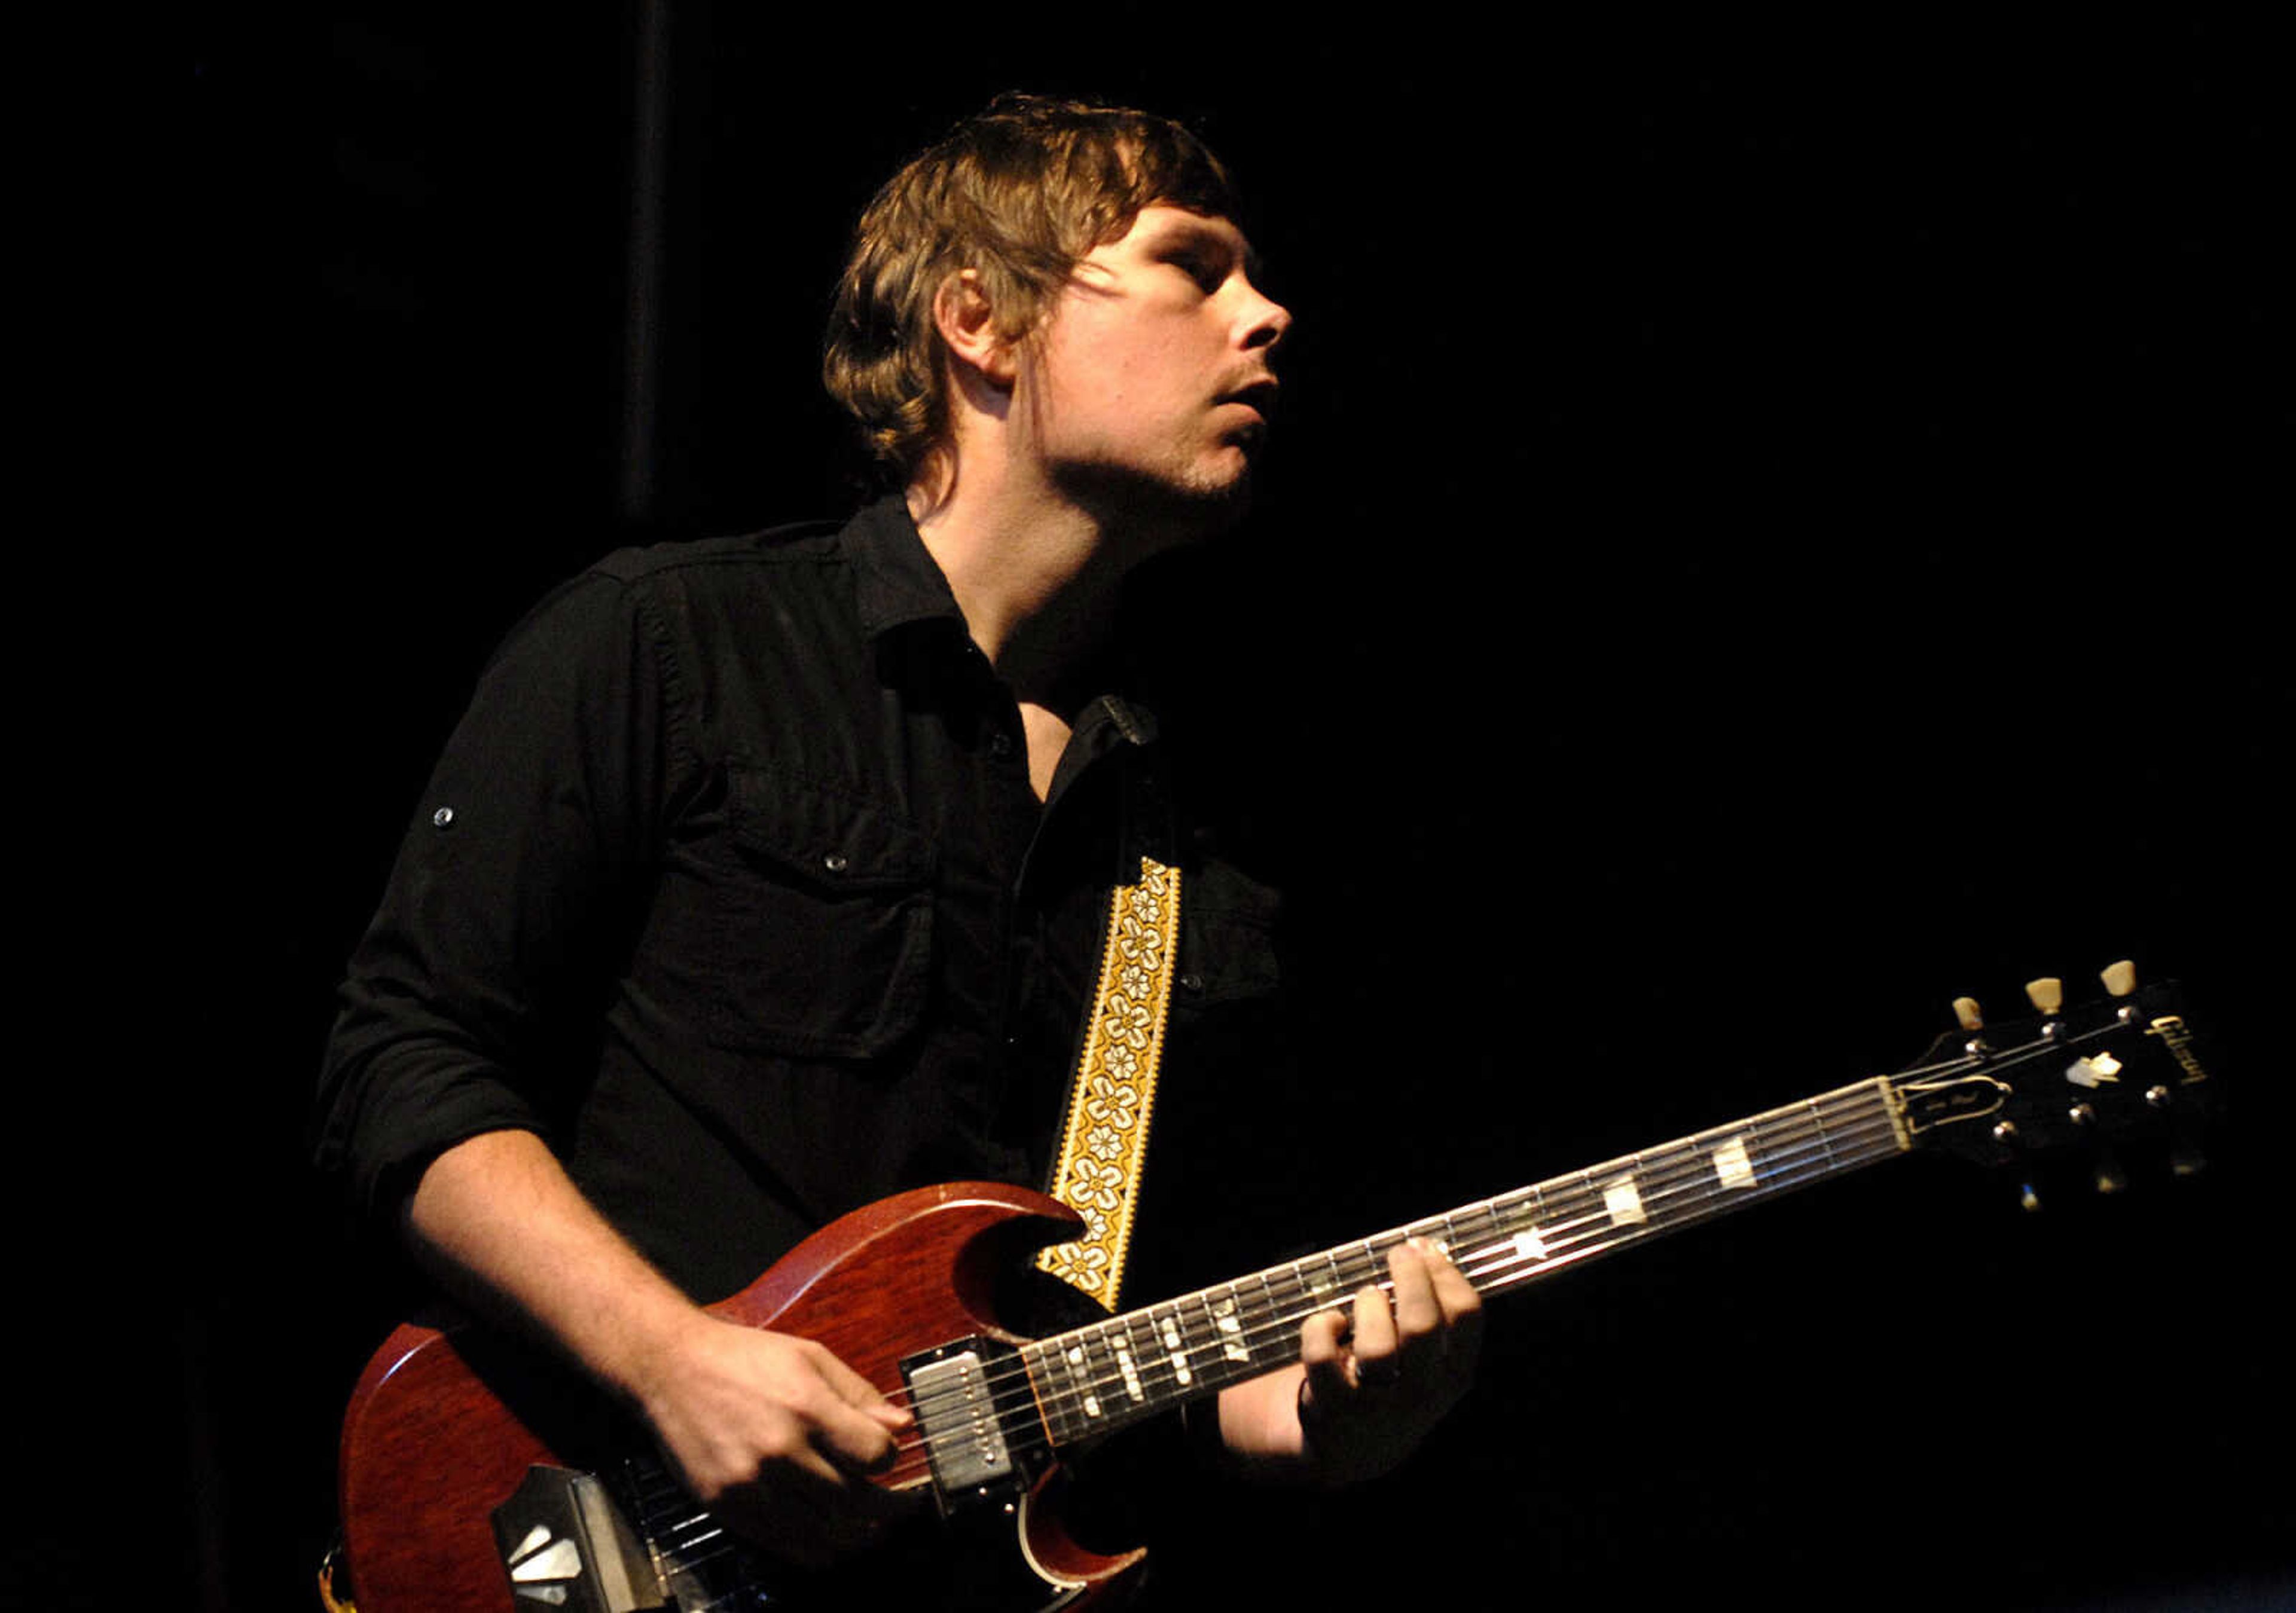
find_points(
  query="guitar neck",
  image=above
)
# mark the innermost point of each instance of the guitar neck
(1106, 1375)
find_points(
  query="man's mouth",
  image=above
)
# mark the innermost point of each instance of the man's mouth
(1259, 396)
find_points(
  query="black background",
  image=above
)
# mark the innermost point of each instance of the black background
(1773, 528)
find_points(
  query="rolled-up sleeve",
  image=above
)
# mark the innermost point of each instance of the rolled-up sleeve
(467, 999)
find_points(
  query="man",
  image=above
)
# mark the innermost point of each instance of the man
(766, 877)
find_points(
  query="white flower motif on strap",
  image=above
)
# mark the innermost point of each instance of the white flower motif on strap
(1107, 1135)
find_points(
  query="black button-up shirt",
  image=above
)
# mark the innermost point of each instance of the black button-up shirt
(732, 884)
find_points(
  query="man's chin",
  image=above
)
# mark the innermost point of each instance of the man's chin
(1160, 512)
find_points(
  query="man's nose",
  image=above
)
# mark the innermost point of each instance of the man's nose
(1269, 321)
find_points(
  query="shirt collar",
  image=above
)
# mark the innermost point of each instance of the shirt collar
(895, 580)
(897, 583)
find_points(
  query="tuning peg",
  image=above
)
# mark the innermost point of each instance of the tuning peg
(2119, 978)
(2048, 993)
(1964, 1009)
(2106, 1174)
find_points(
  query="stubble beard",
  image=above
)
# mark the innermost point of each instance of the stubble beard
(1153, 511)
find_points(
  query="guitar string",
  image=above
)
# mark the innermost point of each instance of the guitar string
(1852, 1146)
(1487, 1264)
(1815, 1148)
(1811, 1151)
(1849, 1147)
(1579, 1223)
(1792, 1129)
(1796, 1124)
(1592, 1227)
(1484, 1252)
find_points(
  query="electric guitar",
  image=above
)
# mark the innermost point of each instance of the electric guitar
(473, 1478)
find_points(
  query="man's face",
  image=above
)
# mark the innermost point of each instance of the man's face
(1150, 383)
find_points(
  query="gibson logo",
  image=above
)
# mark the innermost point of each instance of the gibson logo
(2170, 1029)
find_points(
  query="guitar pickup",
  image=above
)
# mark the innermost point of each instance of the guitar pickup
(955, 1409)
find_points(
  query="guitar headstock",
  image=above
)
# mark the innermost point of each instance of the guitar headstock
(2117, 1079)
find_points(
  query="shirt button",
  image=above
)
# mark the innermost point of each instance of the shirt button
(1192, 982)
(442, 817)
(835, 863)
(1000, 745)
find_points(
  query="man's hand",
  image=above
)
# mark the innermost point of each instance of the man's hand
(775, 1435)
(1375, 1389)
(769, 1430)
(1370, 1387)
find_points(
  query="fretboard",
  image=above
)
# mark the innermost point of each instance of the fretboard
(1111, 1373)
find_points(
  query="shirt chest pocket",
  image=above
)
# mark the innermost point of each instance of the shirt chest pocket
(824, 922)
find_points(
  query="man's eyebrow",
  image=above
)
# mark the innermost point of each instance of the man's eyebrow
(1190, 230)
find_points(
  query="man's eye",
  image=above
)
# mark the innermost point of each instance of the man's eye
(1206, 273)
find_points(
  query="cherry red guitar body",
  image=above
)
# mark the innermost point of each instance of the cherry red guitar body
(445, 1426)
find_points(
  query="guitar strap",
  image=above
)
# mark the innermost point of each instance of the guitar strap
(1105, 1139)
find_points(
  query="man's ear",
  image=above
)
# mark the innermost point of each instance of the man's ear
(967, 324)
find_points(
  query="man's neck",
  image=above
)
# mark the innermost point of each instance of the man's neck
(1035, 577)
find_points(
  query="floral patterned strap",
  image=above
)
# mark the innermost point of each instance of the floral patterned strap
(1098, 1175)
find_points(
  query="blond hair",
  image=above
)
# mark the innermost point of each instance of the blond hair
(1019, 194)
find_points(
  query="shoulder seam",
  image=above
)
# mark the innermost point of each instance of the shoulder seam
(634, 563)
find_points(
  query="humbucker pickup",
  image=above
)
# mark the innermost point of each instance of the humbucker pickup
(963, 1396)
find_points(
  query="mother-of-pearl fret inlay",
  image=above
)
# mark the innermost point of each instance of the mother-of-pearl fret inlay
(1231, 1344)
(1177, 1356)
(1122, 1369)
(1076, 1367)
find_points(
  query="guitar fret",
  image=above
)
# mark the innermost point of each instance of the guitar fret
(1229, 1330)
(1176, 1348)
(1162, 1377)
(1155, 1370)
(1079, 1364)
(1128, 1354)
(1528, 1238)
(1130, 1365)
(1757, 1151)
(1622, 1199)
(1126, 1367)
(1508, 1225)
(1823, 1141)
(1054, 1375)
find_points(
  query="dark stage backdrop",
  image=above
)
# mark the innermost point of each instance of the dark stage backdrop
(1771, 530)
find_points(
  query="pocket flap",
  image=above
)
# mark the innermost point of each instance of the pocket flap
(829, 842)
